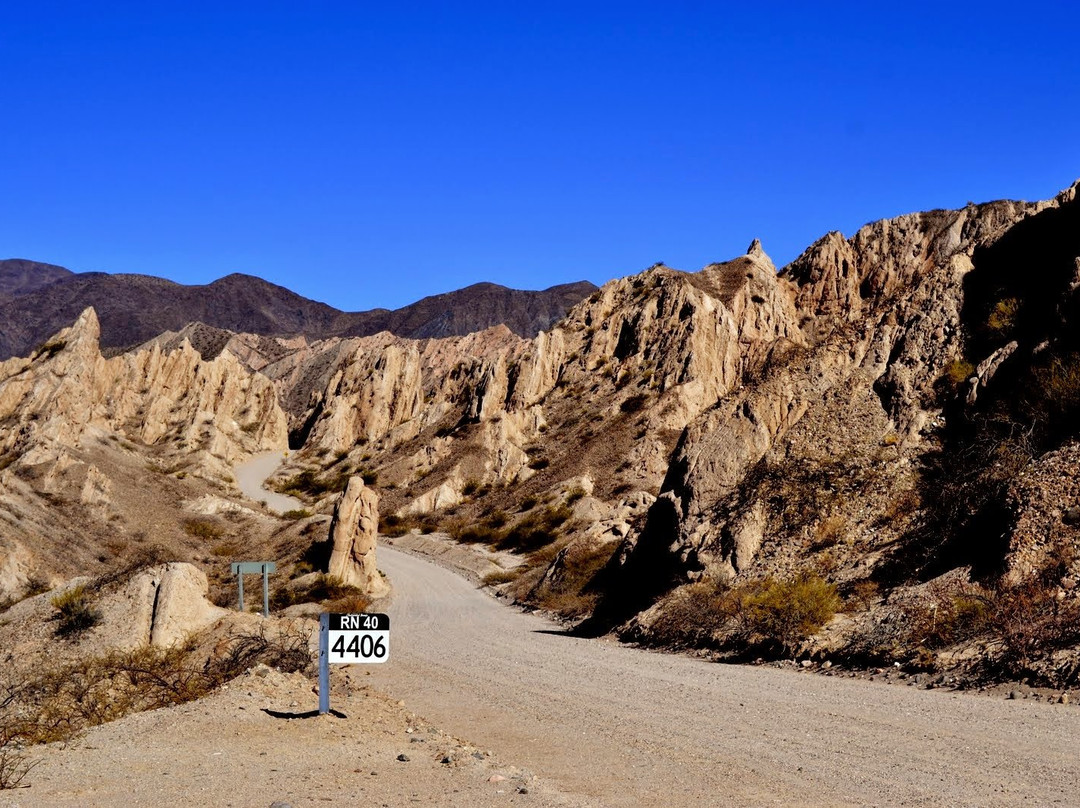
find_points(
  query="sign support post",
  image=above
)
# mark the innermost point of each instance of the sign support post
(324, 663)
(345, 639)
(241, 568)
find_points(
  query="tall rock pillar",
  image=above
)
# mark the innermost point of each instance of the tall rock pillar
(352, 532)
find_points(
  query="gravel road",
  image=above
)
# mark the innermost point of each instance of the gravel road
(623, 726)
(251, 475)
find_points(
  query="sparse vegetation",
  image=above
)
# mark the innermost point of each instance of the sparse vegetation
(296, 513)
(75, 614)
(203, 529)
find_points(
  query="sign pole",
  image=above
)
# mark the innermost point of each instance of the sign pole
(266, 590)
(324, 664)
(240, 586)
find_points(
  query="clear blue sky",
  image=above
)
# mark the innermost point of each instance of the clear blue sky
(368, 154)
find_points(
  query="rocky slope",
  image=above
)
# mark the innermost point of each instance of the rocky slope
(864, 455)
(36, 300)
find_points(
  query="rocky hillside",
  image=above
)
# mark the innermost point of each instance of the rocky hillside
(36, 300)
(851, 425)
(864, 457)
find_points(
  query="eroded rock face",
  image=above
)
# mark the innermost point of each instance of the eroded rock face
(159, 606)
(353, 532)
(217, 409)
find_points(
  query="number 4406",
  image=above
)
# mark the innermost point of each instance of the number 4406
(360, 645)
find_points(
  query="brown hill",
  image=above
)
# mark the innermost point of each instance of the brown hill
(37, 300)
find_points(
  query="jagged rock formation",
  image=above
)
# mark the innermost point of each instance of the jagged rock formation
(217, 410)
(352, 534)
(843, 418)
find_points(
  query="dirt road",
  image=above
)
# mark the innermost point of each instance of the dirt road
(251, 475)
(628, 727)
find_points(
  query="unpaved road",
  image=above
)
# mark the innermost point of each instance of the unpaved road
(251, 475)
(629, 727)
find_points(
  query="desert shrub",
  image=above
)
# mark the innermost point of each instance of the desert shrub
(476, 534)
(959, 371)
(634, 403)
(14, 766)
(369, 477)
(75, 614)
(567, 591)
(538, 528)
(497, 577)
(694, 616)
(58, 703)
(251, 428)
(471, 487)
(203, 529)
(309, 484)
(574, 495)
(326, 590)
(297, 513)
(861, 594)
(780, 614)
(539, 463)
(1002, 318)
(829, 532)
(527, 504)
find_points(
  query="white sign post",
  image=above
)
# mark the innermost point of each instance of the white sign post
(345, 639)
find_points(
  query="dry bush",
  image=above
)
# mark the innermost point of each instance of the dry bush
(497, 577)
(14, 766)
(566, 590)
(326, 590)
(75, 614)
(59, 703)
(537, 529)
(203, 529)
(695, 616)
(829, 532)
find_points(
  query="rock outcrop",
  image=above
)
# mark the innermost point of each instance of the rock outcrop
(353, 532)
(218, 411)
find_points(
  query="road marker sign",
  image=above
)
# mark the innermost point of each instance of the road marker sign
(345, 639)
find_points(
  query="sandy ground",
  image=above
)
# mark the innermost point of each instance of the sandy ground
(256, 742)
(627, 727)
(251, 475)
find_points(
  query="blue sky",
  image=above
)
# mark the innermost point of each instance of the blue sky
(370, 154)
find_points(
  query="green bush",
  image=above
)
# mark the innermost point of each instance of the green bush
(781, 614)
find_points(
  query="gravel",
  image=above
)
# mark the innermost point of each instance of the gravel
(625, 726)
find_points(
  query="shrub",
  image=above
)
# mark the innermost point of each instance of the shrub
(1002, 319)
(781, 614)
(497, 577)
(14, 766)
(298, 513)
(634, 403)
(75, 612)
(959, 371)
(203, 529)
(538, 528)
(539, 463)
(471, 487)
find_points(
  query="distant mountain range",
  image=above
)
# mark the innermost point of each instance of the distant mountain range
(37, 300)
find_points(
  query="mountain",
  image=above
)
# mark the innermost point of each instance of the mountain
(19, 277)
(867, 457)
(36, 300)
